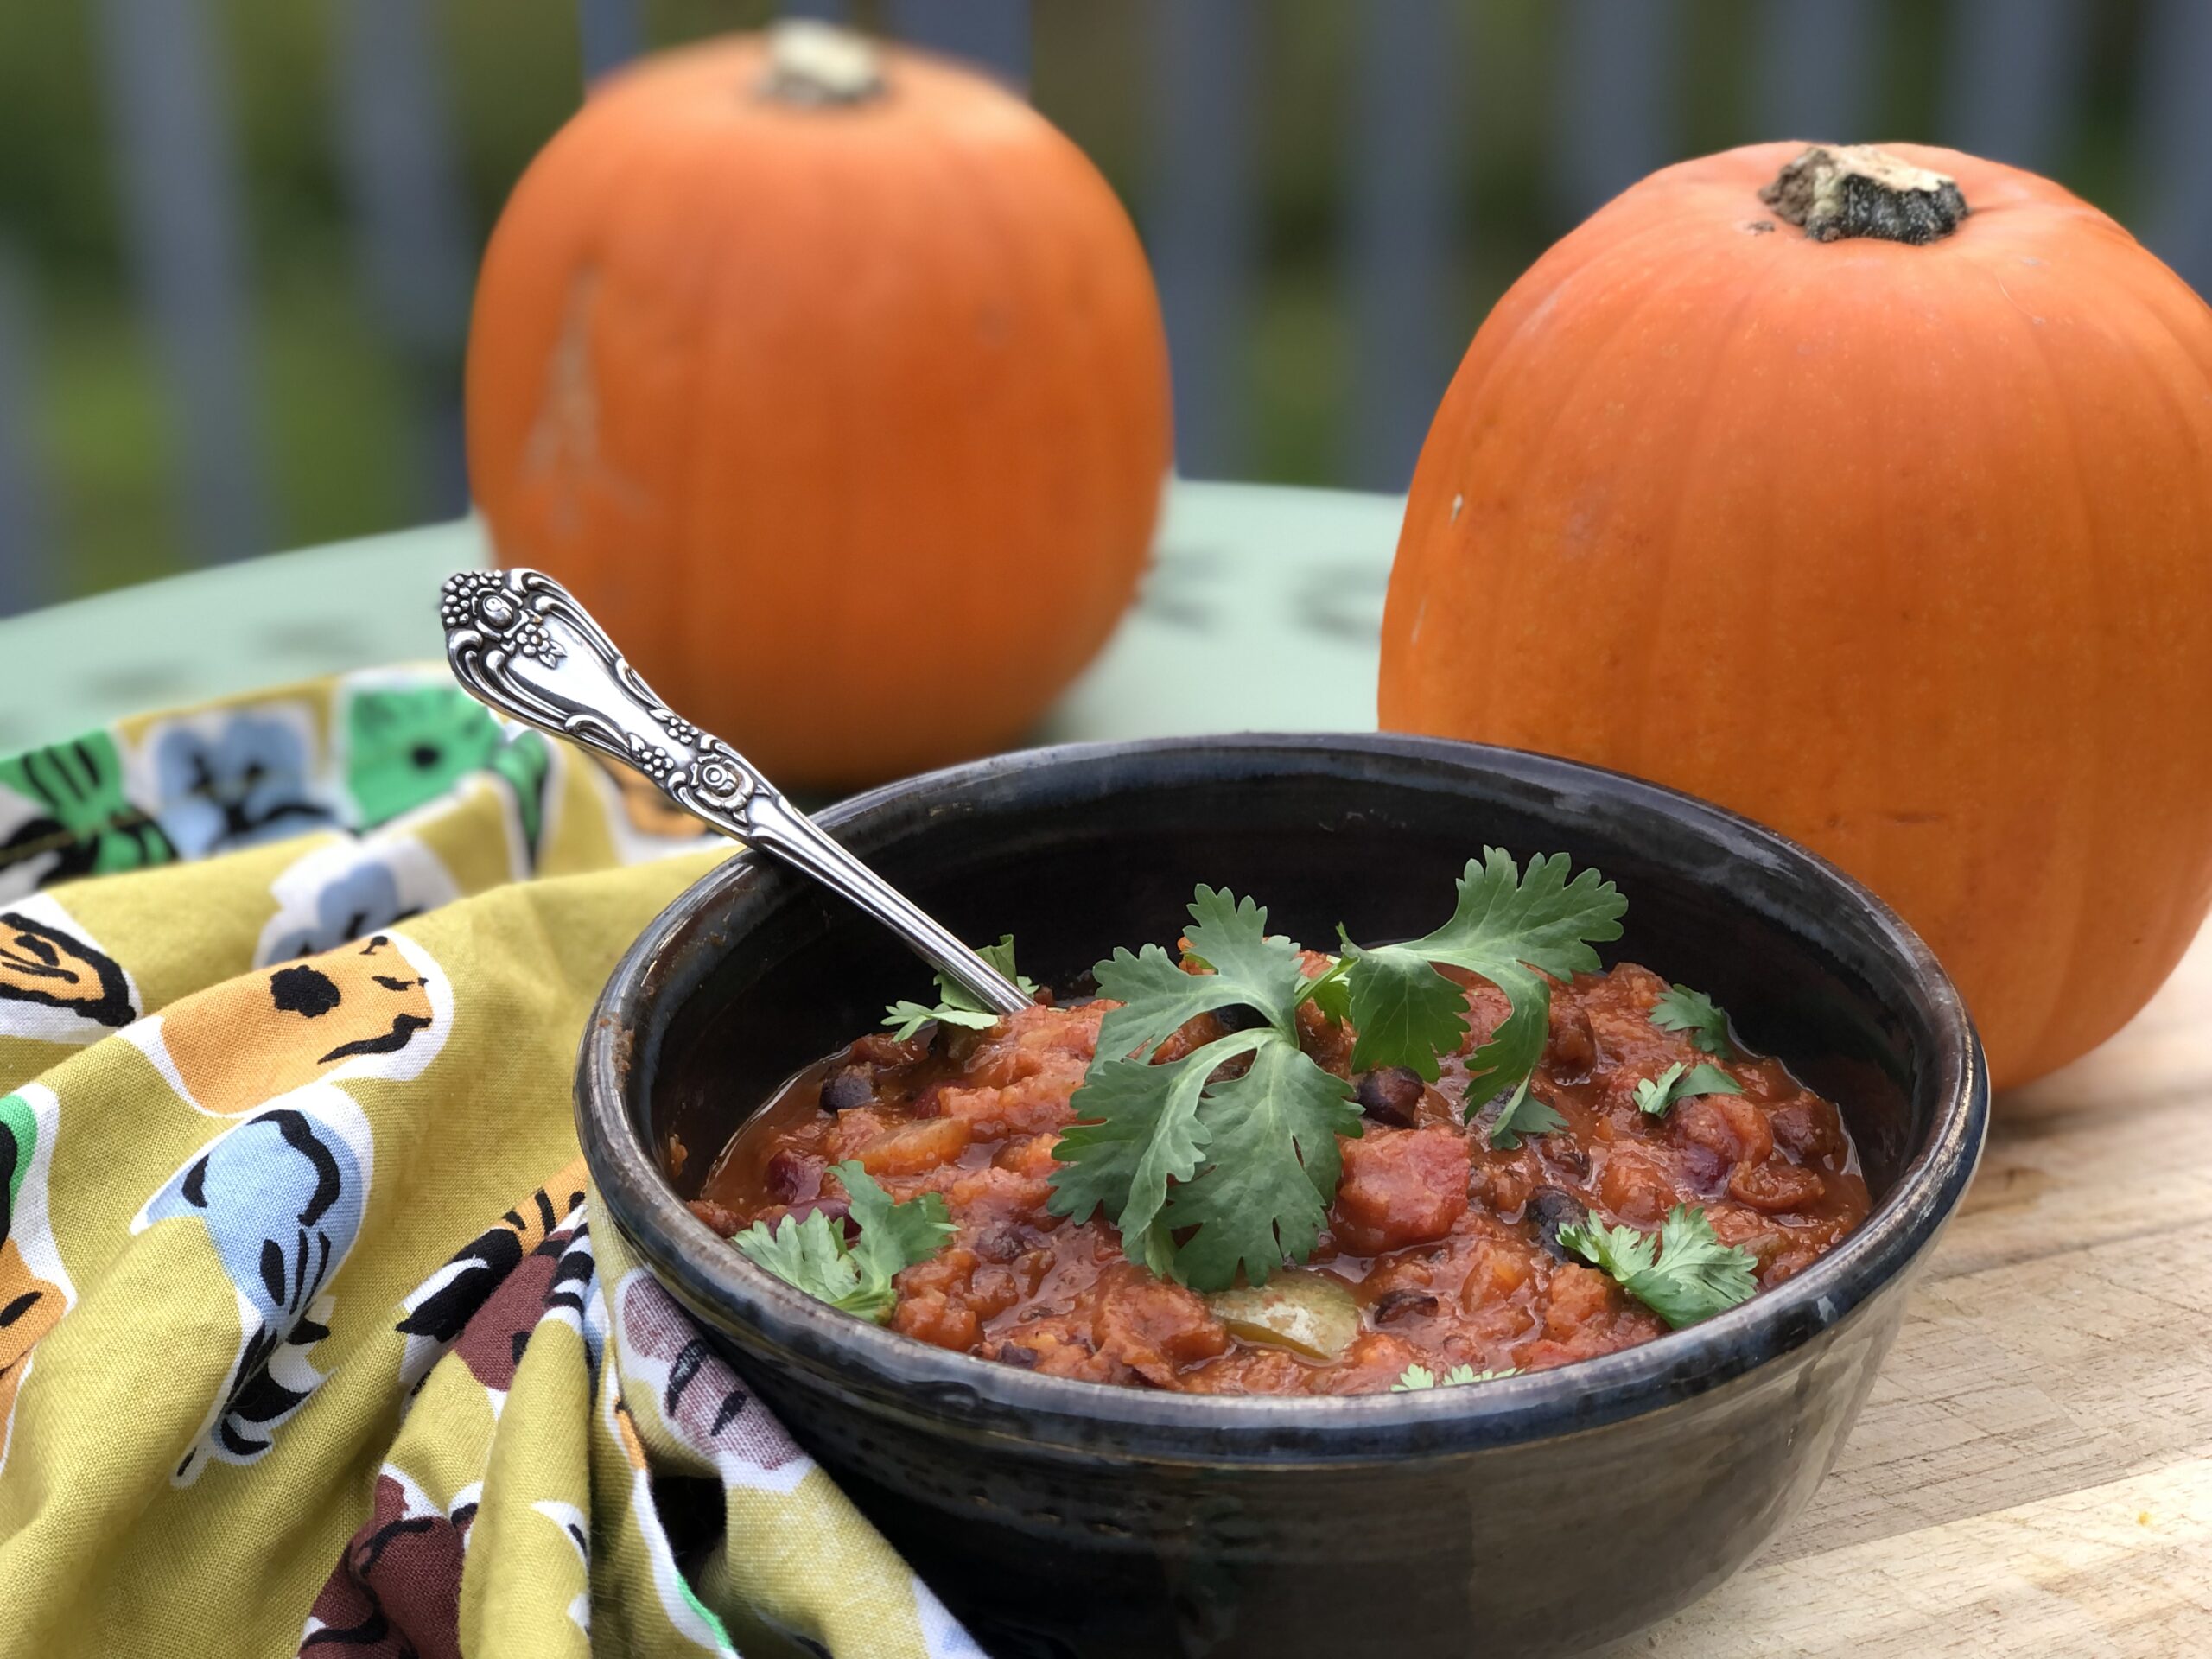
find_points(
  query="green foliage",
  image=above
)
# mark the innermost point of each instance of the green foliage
(342, 395)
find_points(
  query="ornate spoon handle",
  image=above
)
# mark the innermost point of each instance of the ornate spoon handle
(520, 643)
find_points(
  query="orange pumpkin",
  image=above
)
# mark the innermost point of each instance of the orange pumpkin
(833, 379)
(1904, 548)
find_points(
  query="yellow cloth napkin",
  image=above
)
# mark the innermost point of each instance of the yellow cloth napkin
(307, 1343)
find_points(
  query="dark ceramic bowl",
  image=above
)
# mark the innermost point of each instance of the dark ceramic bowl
(1536, 1514)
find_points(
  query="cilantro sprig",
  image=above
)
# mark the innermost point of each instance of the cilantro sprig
(1241, 1166)
(1684, 1275)
(1509, 929)
(1680, 1082)
(1414, 1378)
(1681, 1009)
(814, 1256)
(1222, 1163)
(956, 1004)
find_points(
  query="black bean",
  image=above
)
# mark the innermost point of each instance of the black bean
(1551, 1210)
(843, 1090)
(1398, 1304)
(1391, 1093)
(1237, 1017)
(1014, 1353)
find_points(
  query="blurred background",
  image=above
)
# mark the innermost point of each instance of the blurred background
(238, 236)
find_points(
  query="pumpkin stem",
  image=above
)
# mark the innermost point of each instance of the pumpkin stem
(817, 63)
(1835, 191)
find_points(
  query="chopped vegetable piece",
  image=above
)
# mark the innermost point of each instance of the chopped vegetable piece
(1681, 1009)
(1309, 1313)
(1681, 1082)
(814, 1256)
(955, 1005)
(1693, 1276)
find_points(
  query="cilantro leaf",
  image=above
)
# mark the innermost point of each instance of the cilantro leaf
(1137, 1129)
(1229, 935)
(1405, 1011)
(1158, 996)
(1414, 1378)
(1680, 1082)
(1685, 1275)
(1679, 1009)
(1274, 1166)
(1542, 919)
(905, 1018)
(1328, 992)
(810, 1253)
(1509, 929)
(956, 1006)
(894, 1236)
(1524, 1113)
(813, 1254)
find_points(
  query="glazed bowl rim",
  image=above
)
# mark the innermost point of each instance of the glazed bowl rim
(907, 1377)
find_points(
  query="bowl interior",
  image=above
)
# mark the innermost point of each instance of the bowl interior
(757, 972)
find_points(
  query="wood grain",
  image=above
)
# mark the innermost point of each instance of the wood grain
(2032, 1474)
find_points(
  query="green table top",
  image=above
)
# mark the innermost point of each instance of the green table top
(1290, 581)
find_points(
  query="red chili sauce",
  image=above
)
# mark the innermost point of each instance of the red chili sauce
(1448, 1245)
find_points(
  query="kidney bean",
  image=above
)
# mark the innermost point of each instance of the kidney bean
(1391, 1095)
(789, 1176)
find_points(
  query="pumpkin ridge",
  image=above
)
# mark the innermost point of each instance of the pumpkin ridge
(694, 564)
(1650, 229)
(1098, 460)
(1680, 276)
(2073, 848)
(1658, 638)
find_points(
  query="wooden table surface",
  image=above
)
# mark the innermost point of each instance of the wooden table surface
(2033, 1474)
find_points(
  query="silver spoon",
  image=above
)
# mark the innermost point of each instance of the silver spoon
(520, 643)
